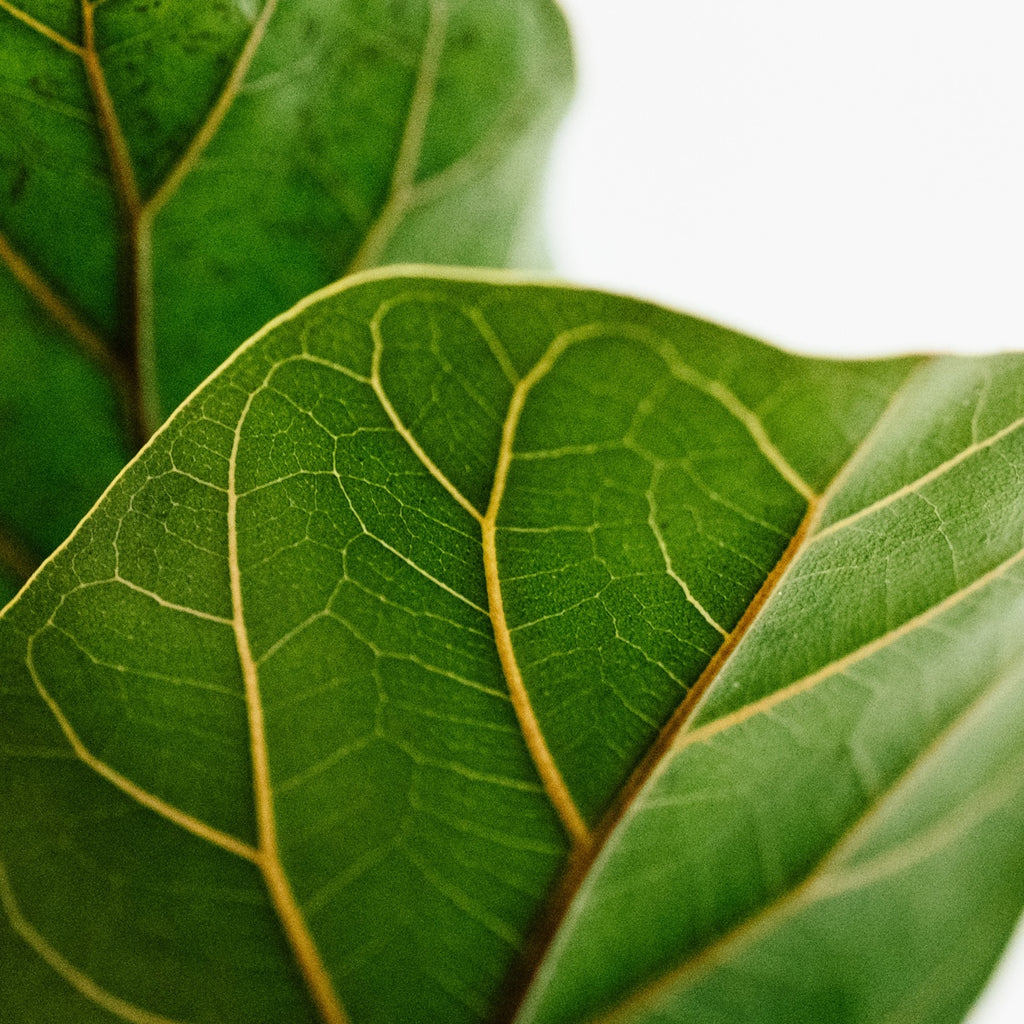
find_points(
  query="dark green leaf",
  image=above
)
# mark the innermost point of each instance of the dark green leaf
(467, 650)
(175, 172)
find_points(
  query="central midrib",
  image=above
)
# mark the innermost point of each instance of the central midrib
(136, 273)
(580, 864)
(583, 858)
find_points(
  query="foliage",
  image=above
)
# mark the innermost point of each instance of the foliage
(472, 649)
(173, 174)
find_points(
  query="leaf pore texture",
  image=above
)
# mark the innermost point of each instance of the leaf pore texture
(475, 650)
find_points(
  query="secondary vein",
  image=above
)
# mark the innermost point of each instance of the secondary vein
(57, 962)
(87, 339)
(43, 29)
(376, 382)
(296, 931)
(218, 111)
(829, 878)
(550, 774)
(403, 178)
(923, 480)
(810, 682)
(173, 814)
(110, 126)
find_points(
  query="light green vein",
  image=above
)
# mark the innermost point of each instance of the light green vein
(214, 118)
(403, 178)
(494, 343)
(396, 421)
(652, 523)
(922, 481)
(76, 978)
(759, 707)
(222, 620)
(495, 925)
(827, 879)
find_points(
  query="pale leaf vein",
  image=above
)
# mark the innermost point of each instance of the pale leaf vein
(76, 978)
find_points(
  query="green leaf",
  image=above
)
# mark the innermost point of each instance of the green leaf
(469, 650)
(175, 172)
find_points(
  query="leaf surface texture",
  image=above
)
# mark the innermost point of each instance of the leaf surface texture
(173, 173)
(468, 650)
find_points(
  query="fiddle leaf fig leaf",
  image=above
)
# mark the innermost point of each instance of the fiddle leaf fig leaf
(173, 173)
(475, 650)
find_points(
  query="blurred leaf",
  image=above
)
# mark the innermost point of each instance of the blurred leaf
(467, 650)
(175, 172)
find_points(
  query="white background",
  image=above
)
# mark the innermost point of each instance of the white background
(836, 178)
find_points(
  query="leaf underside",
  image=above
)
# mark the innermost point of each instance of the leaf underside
(469, 650)
(173, 173)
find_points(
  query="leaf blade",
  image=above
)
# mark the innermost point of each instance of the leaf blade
(175, 175)
(411, 820)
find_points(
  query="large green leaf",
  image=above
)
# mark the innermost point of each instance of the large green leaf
(175, 172)
(466, 650)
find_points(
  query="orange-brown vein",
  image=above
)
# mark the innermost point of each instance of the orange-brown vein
(664, 745)
(815, 885)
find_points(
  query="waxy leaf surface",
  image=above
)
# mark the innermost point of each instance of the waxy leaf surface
(468, 650)
(173, 173)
